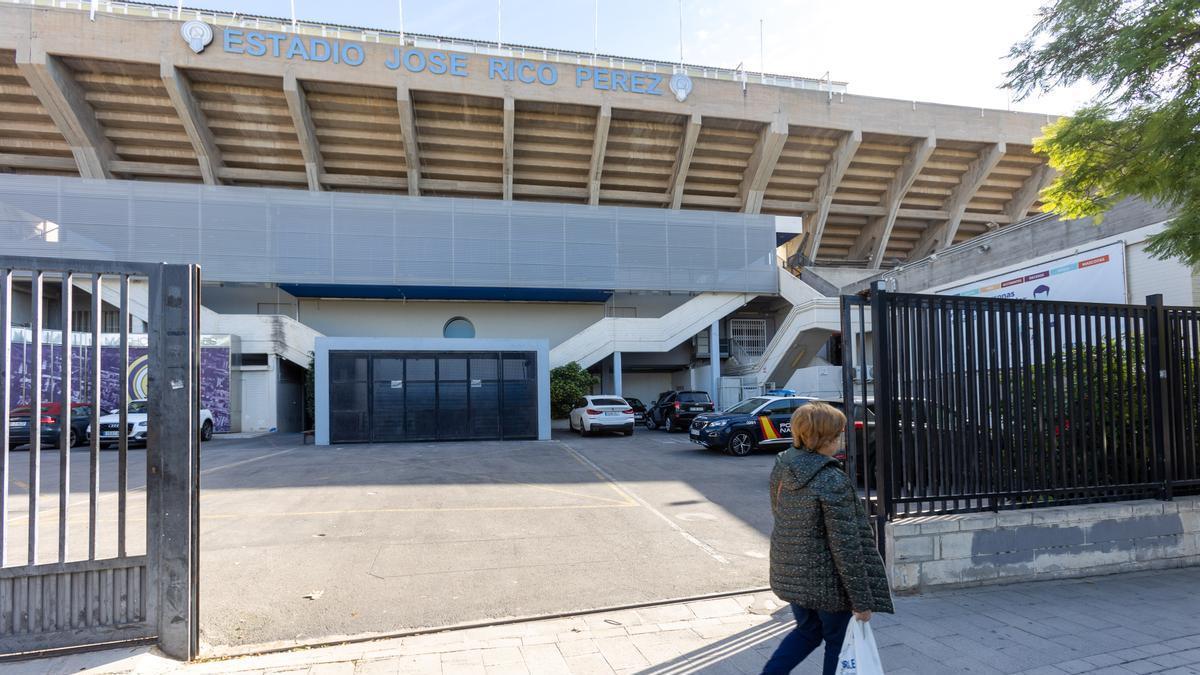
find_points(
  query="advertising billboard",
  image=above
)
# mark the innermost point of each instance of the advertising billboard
(1096, 275)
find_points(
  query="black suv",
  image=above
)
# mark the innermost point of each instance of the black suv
(676, 409)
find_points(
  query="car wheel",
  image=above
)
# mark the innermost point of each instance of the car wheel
(740, 444)
(650, 425)
(583, 430)
(72, 439)
(206, 431)
(669, 424)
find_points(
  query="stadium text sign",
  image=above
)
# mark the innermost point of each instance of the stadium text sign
(444, 63)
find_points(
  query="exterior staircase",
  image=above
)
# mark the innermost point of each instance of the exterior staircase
(612, 334)
(259, 333)
(808, 325)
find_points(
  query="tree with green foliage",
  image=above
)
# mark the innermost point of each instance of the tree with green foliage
(567, 384)
(1140, 135)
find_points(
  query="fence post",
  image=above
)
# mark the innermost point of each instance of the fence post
(848, 365)
(1157, 375)
(173, 458)
(885, 424)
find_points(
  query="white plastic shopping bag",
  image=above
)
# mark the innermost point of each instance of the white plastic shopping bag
(859, 655)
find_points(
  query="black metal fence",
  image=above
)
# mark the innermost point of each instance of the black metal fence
(989, 404)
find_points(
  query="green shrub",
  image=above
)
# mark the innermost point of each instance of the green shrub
(567, 384)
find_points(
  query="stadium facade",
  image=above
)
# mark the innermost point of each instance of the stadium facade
(438, 222)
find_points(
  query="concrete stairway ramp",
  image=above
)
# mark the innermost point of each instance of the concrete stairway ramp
(812, 319)
(259, 333)
(611, 334)
(266, 333)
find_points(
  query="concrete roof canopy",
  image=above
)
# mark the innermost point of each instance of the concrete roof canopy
(125, 96)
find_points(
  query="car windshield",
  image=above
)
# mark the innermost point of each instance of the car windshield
(608, 401)
(747, 406)
(138, 407)
(693, 397)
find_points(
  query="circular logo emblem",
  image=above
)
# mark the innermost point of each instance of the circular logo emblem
(197, 34)
(681, 85)
(138, 378)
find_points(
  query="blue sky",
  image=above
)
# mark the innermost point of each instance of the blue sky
(945, 51)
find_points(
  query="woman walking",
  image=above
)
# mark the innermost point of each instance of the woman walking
(823, 555)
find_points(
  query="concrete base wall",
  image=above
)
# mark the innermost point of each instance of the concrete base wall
(1050, 543)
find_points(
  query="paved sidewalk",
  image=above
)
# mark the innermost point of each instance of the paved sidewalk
(1133, 623)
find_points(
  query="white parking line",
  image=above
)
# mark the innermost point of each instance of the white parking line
(712, 553)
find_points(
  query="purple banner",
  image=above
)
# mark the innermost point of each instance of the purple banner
(214, 377)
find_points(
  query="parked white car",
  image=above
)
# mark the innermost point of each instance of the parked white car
(110, 424)
(602, 413)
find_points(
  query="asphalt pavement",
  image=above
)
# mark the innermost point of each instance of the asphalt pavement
(303, 544)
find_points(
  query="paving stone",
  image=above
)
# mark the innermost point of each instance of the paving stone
(716, 608)
(620, 653)
(512, 668)
(545, 659)
(588, 664)
(493, 657)
(1142, 667)
(414, 665)
(578, 647)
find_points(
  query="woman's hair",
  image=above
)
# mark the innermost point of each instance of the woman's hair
(816, 425)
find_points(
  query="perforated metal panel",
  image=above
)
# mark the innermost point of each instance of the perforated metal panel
(294, 236)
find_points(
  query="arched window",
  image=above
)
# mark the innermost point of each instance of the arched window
(458, 327)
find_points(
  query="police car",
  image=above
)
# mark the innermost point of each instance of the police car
(760, 422)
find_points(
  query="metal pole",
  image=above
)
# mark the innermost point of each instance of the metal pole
(762, 62)
(66, 417)
(179, 10)
(680, 33)
(1158, 377)
(294, 25)
(499, 24)
(5, 404)
(92, 13)
(401, 6)
(595, 31)
(884, 403)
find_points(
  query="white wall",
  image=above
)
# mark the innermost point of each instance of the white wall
(259, 397)
(1148, 275)
(244, 298)
(645, 305)
(646, 386)
(425, 319)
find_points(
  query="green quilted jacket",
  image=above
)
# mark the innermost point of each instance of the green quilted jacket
(823, 553)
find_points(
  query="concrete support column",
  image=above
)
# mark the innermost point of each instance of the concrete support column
(714, 359)
(616, 366)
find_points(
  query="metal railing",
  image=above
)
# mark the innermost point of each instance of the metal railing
(987, 404)
(1183, 396)
(422, 41)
